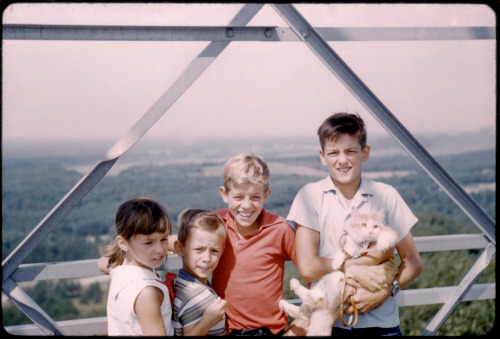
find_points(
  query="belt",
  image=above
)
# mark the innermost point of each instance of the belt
(253, 332)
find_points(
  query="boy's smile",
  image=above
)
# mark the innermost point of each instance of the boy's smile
(245, 202)
(344, 157)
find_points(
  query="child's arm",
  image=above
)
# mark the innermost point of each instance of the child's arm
(147, 306)
(311, 265)
(212, 315)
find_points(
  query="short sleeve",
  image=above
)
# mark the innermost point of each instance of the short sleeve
(399, 215)
(304, 210)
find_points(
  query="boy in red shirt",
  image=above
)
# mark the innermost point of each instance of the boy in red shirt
(251, 269)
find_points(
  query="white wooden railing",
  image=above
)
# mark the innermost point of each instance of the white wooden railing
(98, 325)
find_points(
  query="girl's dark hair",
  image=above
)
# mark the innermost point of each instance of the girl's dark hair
(339, 124)
(136, 216)
(190, 219)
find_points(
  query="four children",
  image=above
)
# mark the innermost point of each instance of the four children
(245, 247)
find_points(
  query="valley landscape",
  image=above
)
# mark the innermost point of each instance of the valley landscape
(184, 174)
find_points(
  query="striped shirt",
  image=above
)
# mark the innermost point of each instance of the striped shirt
(192, 298)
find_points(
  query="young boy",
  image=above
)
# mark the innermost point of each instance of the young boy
(321, 209)
(198, 310)
(251, 269)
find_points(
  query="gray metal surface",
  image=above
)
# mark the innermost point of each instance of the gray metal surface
(235, 33)
(460, 291)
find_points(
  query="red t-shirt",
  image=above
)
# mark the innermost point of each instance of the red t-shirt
(250, 272)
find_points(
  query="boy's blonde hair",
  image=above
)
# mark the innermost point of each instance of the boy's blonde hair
(246, 169)
(190, 219)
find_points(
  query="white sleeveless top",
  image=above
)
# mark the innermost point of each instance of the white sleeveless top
(127, 282)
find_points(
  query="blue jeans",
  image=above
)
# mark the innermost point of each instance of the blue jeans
(370, 332)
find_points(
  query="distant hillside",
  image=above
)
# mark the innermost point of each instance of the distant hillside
(163, 151)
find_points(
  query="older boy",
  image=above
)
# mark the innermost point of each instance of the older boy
(321, 209)
(251, 269)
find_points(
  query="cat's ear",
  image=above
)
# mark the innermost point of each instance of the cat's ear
(381, 215)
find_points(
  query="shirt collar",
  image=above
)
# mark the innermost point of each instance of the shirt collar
(186, 276)
(365, 187)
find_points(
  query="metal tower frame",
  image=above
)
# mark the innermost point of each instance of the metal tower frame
(299, 30)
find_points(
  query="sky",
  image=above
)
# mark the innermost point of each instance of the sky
(92, 89)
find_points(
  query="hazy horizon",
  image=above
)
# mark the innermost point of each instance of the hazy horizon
(61, 89)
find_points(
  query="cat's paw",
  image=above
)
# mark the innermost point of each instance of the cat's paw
(337, 262)
(282, 304)
(294, 283)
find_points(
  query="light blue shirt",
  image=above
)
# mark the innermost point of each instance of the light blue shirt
(320, 207)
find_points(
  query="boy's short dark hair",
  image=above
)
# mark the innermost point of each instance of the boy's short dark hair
(339, 124)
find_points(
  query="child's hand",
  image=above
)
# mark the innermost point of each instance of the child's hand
(215, 311)
(212, 315)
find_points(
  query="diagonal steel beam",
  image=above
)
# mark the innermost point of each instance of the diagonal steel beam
(460, 291)
(55, 216)
(23, 301)
(352, 82)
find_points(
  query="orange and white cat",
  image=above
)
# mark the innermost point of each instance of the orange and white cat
(321, 305)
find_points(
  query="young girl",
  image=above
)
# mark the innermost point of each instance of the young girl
(138, 302)
(198, 310)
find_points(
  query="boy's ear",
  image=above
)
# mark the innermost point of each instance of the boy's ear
(267, 194)
(366, 153)
(223, 194)
(178, 248)
(321, 157)
(122, 243)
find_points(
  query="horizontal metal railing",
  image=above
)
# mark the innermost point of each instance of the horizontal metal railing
(98, 325)
(239, 33)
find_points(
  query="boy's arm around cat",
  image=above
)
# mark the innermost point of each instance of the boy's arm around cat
(409, 269)
(312, 266)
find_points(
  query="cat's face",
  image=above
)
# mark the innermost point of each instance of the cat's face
(366, 228)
